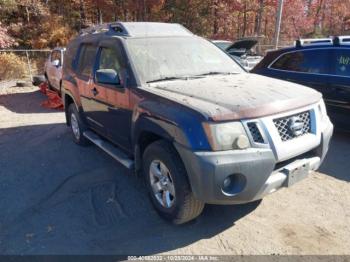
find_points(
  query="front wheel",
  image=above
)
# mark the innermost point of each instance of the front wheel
(168, 186)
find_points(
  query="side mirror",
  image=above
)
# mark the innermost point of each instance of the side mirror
(56, 62)
(108, 77)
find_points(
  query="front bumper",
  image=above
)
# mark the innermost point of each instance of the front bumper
(254, 171)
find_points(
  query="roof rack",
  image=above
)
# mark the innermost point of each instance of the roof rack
(313, 41)
(337, 40)
(138, 29)
(343, 40)
(115, 28)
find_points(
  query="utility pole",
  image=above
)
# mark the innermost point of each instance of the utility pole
(278, 22)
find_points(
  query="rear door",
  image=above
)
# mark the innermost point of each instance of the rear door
(89, 96)
(309, 67)
(338, 101)
(114, 114)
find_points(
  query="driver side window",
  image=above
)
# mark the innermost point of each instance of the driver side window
(109, 59)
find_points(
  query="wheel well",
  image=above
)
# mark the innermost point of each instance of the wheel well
(145, 139)
(67, 101)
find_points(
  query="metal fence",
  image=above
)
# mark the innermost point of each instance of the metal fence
(22, 64)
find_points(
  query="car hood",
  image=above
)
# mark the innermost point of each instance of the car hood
(234, 97)
(242, 44)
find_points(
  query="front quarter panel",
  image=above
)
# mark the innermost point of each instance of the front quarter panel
(167, 119)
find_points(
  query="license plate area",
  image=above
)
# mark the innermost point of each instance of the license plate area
(296, 171)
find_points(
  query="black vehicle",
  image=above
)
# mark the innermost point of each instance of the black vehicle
(323, 64)
(180, 112)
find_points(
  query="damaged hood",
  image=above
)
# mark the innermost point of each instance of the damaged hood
(242, 44)
(235, 97)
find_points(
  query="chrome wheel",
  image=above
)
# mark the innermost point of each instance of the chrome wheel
(75, 126)
(162, 183)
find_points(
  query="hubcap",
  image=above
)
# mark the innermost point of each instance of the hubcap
(162, 183)
(75, 126)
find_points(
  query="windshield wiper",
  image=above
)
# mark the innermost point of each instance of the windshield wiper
(171, 79)
(216, 73)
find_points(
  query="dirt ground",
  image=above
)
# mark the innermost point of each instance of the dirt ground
(59, 198)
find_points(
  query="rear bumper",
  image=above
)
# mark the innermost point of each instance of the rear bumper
(253, 171)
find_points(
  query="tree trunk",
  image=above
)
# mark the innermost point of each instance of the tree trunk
(259, 17)
(28, 14)
(99, 16)
(215, 16)
(238, 25)
(317, 14)
(244, 19)
(309, 9)
(144, 11)
(124, 10)
(82, 14)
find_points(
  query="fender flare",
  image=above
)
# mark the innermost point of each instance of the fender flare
(141, 126)
(66, 93)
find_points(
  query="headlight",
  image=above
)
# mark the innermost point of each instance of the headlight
(226, 136)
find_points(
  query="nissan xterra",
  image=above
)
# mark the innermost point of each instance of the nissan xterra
(178, 110)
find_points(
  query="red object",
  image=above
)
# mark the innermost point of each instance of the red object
(54, 101)
(43, 87)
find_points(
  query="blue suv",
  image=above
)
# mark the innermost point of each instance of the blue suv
(322, 64)
(183, 115)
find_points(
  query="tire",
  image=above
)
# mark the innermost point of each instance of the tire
(77, 126)
(162, 159)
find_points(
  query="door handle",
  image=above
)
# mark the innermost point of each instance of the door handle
(94, 91)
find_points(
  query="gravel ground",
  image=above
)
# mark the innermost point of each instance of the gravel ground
(59, 198)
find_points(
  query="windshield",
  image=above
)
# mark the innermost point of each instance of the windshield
(178, 57)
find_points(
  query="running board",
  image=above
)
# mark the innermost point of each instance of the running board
(110, 149)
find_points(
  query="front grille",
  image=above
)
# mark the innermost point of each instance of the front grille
(255, 132)
(294, 126)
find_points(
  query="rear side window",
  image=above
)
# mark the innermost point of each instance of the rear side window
(70, 56)
(86, 60)
(313, 61)
(342, 62)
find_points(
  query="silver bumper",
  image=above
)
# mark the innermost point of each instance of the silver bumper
(289, 175)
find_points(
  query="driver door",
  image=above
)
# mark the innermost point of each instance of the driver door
(112, 100)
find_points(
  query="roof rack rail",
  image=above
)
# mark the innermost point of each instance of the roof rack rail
(342, 40)
(114, 28)
(313, 41)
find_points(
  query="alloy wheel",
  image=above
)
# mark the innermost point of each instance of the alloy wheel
(75, 126)
(162, 183)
